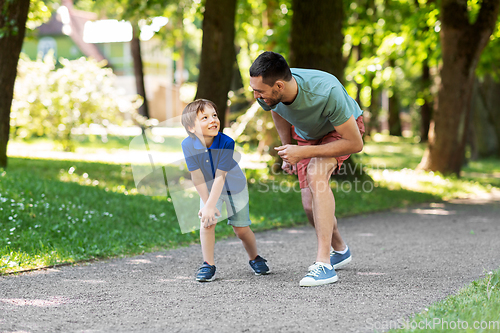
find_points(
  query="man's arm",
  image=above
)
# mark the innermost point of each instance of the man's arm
(350, 143)
(283, 127)
(284, 131)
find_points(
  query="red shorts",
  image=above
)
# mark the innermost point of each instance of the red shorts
(330, 137)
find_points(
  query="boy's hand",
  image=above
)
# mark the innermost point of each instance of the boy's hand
(208, 216)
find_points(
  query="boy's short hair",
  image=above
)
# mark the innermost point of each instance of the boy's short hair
(191, 111)
(272, 67)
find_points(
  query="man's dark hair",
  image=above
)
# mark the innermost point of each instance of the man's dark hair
(272, 67)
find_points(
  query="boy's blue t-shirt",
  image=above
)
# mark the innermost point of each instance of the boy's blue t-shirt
(321, 103)
(218, 156)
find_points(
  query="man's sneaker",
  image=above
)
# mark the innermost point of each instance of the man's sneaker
(338, 260)
(206, 273)
(319, 275)
(259, 266)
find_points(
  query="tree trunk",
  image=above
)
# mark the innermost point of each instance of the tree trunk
(217, 54)
(373, 125)
(316, 43)
(135, 48)
(484, 142)
(13, 18)
(394, 108)
(268, 17)
(317, 37)
(462, 44)
(426, 108)
(491, 91)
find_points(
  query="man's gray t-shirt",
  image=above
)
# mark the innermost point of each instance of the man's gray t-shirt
(321, 103)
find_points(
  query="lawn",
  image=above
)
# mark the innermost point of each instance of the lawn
(474, 308)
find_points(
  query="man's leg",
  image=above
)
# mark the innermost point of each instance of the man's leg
(319, 171)
(307, 202)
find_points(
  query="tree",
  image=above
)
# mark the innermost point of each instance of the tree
(135, 50)
(13, 17)
(316, 43)
(217, 53)
(462, 43)
(317, 37)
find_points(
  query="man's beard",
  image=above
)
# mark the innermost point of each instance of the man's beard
(275, 99)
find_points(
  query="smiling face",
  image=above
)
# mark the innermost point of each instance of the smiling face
(271, 95)
(206, 125)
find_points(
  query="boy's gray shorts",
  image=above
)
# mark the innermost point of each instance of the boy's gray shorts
(238, 214)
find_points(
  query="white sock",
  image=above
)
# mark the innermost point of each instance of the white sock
(343, 251)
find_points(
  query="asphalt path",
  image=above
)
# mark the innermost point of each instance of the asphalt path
(403, 261)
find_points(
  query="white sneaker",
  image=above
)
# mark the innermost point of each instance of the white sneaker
(319, 274)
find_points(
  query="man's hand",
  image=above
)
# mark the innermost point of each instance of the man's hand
(291, 169)
(290, 153)
(208, 216)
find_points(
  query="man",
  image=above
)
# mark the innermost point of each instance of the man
(314, 108)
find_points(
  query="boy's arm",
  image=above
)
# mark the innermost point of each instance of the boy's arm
(218, 185)
(209, 210)
(200, 184)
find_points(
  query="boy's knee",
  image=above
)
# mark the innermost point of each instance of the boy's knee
(241, 231)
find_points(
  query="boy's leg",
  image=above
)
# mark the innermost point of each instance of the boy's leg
(239, 218)
(207, 240)
(207, 237)
(248, 239)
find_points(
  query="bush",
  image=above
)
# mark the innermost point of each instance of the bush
(50, 101)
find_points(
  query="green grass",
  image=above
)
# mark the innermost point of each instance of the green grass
(86, 144)
(393, 153)
(475, 308)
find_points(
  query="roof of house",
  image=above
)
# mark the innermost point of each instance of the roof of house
(71, 22)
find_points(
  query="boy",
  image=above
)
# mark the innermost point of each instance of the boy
(217, 178)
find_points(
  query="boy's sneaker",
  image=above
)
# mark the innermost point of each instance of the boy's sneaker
(259, 266)
(206, 273)
(319, 275)
(338, 260)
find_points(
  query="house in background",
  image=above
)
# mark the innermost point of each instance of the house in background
(72, 34)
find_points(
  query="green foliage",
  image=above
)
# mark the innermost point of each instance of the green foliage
(40, 12)
(386, 44)
(490, 58)
(50, 101)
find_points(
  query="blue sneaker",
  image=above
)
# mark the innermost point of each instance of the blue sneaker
(206, 273)
(338, 260)
(319, 275)
(259, 266)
